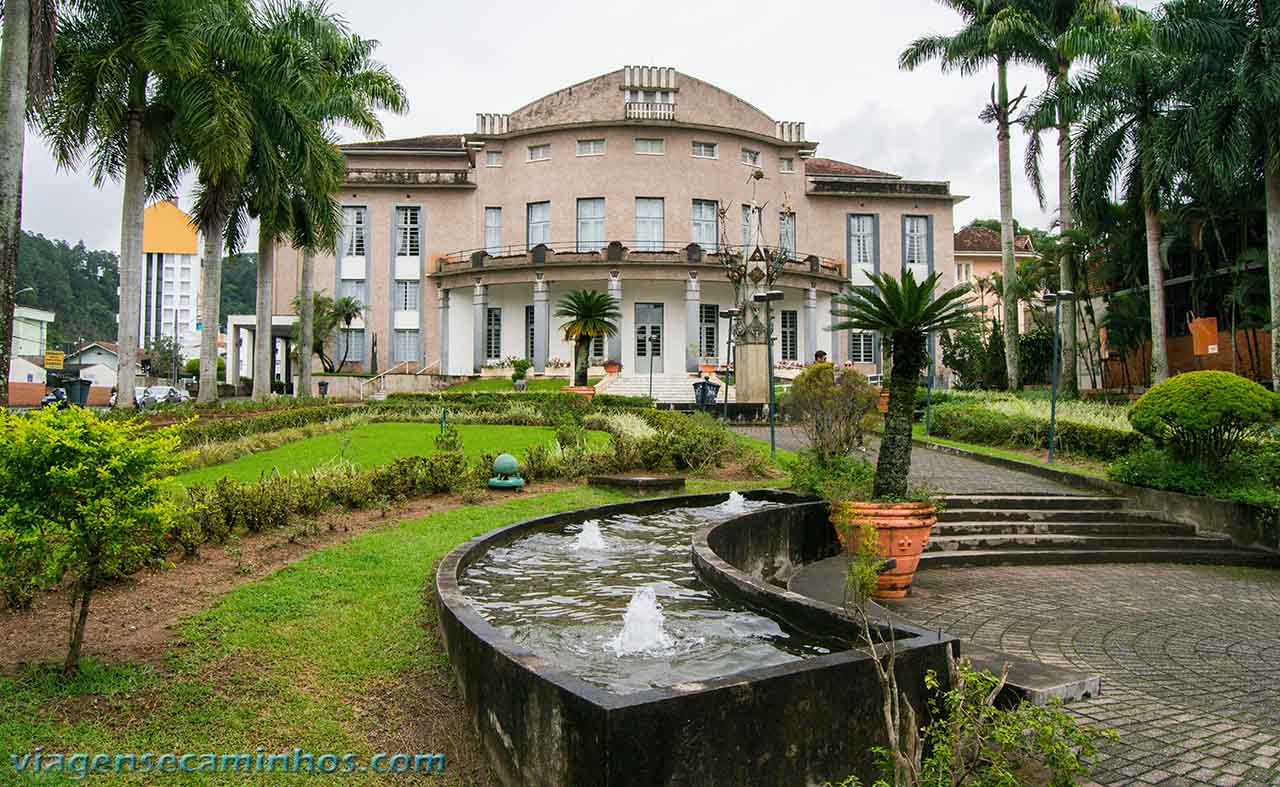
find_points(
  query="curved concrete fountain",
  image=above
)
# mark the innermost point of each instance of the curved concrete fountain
(806, 721)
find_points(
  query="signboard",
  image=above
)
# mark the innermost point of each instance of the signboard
(1204, 335)
(54, 359)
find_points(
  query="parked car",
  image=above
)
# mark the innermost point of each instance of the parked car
(163, 394)
(57, 396)
(137, 397)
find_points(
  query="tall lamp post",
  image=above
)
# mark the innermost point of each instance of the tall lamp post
(767, 298)
(730, 315)
(1055, 298)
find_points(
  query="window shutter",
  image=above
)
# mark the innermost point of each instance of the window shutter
(902, 268)
(928, 224)
(875, 241)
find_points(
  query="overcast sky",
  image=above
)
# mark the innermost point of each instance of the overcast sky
(830, 64)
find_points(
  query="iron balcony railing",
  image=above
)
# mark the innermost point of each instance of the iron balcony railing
(645, 110)
(646, 251)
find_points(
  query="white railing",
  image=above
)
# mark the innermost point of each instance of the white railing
(377, 381)
(637, 110)
(426, 369)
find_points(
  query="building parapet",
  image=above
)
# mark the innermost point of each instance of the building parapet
(789, 131)
(492, 123)
(652, 77)
(442, 178)
(873, 187)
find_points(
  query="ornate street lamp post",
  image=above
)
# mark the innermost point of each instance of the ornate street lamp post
(767, 298)
(730, 315)
(1055, 298)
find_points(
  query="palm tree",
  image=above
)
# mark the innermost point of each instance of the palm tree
(591, 313)
(904, 314)
(115, 71)
(1123, 107)
(1235, 105)
(346, 310)
(975, 46)
(26, 73)
(323, 325)
(1055, 33)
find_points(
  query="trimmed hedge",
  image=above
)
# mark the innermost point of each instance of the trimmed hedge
(1206, 416)
(494, 399)
(970, 423)
(217, 430)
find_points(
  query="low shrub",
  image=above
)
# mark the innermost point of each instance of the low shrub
(983, 425)
(846, 477)
(1206, 416)
(1158, 468)
(493, 400)
(831, 408)
(449, 439)
(216, 430)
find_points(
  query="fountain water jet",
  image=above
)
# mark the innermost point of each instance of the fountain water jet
(589, 538)
(643, 626)
(736, 504)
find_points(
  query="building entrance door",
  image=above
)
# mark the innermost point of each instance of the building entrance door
(648, 337)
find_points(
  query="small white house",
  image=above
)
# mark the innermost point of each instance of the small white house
(100, 374)
(23, 371)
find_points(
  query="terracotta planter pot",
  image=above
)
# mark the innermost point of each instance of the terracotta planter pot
(902, 529)
(883, 404)
(707, 368)
(612, 367)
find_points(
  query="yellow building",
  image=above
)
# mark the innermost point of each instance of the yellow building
(170, 277)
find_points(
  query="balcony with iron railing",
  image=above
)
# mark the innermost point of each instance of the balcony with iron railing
(647, 110)
(647, 252)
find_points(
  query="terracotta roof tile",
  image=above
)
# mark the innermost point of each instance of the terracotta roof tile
(981, 239)
(428, 142)
(831, 167)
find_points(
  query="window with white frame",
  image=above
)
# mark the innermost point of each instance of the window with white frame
(351, 288)
(915, 247)
(787, 234)
(353, 229)
(964, 272)
(591, 224)
(529, 324)
(704, 150)
(790, 335)
(493, 334)
(786, 164)
(746, 225)
(708, 330)
(406, 296)
(538, 229)
(408, 232)
(591, 147)
(493, 231)
(540, 152)
(862, 347)
(862, 248)
(751, 157)
(651, 146)
(493, 158)
(638, 96)
(706, 224)
(596, 350)
(649, 223)
(351, 345)
(404, 346)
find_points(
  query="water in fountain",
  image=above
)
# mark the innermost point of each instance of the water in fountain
(736, 504)
(589, 538)
(643, 626)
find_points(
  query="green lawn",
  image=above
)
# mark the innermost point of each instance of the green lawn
(503, 384)
(291, 660)
(375, 444)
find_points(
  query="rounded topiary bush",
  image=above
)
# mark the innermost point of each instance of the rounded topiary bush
(1204, 415)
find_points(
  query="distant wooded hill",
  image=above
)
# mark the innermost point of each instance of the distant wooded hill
(79, 285)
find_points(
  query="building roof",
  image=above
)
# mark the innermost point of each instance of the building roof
(167, 229)
(110, 347)
(427, 142)
(987, 241)
(33, 314)
(829, 167)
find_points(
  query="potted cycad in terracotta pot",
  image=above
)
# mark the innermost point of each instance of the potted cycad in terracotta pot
(904, 314)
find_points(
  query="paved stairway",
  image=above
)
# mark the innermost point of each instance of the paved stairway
(994, 529)
(667, 388)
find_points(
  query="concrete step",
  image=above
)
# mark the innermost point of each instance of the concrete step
(958, 514)
(1059, 541)
(1100, 528)
(1048, 557)
(1023, 502)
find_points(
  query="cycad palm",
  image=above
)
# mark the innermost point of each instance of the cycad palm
(904, 314)
(26, 70)
(114, 71)
(975, 46)
(346, 310)
(1123, 106)
(590, 314)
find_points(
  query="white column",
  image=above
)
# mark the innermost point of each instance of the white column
(810, 323)
(442, 324)
(479, 308)
(692, 302)
(232, 372)
(541, 323)
(614, 349)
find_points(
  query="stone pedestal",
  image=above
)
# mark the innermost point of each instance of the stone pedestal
(751, 372)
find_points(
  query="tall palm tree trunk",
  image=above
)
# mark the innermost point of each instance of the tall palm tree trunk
(131, 253)
(894, 461)
(1155, 279)
(211, 288)
(14, 68)
(1008, 264)
(262, 340)
(307, 329)
(1068, 385)
(1272, 180)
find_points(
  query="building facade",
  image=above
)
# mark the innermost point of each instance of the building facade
(637, 183)
(979, 259)
(31, 332)
(170, 278)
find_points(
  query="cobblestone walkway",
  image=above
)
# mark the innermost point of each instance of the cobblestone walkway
(1190, 657)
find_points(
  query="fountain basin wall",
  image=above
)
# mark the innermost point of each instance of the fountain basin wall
(798, 723)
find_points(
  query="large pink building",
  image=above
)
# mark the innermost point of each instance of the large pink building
(634, 183)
